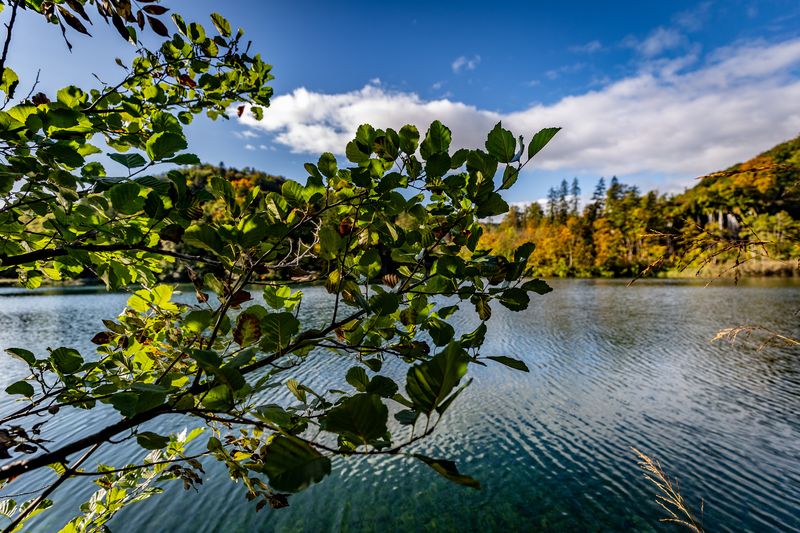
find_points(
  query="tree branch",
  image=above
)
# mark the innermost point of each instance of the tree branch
(21, 467)
(46, 254)
(10, 26)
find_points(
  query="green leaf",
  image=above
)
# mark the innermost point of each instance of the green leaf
(219, 398)
(539, 286)
(493, 205)
(361, 418)
(516, 299)
(296, 389)
(125, 198)
(204, 237)
(184, 159)
(482, 306)
(208, 360)
(23, 355)
(540, 140)
(292, 465)
(6, 183)
(510, 175)
(164, 144)
(129, 160)
(382, 386)
(429, 383)
(501, 144)
(440, 331)
(409, 139)
(9, 82)
(406, 417)
(197, 321)
(125, 403)
(523, 252)
(222, 24)
(66, 360)
(448, 470)
(327, 165)
(151, 441)
(357, 377)
(510, 362)
(196, 33)
(64, 154)
(474, 339)
(277, 330)
(384, 303)
(354, 153)
(21, 387)
(329, 243)
(437, 140)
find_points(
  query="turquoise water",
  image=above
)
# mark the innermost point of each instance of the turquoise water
(611, 367)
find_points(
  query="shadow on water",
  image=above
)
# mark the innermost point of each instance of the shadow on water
(611, 368)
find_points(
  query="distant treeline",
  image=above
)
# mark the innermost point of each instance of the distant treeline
(748, 213)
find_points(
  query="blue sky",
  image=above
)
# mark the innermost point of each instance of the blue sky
(657, 93)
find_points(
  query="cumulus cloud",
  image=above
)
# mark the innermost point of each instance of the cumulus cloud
(465, 63)
(673, 119)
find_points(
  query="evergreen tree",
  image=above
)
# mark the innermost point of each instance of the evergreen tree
(599, 195)
(575, 195)
(563, 202)
(552, 204)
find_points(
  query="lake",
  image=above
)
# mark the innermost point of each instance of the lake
(611, 367)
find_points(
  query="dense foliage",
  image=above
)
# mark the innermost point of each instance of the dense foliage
(393, 232)
(747, 213)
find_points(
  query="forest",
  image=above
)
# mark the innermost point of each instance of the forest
(745, 217)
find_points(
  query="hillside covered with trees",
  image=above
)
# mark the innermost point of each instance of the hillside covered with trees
(748, 213)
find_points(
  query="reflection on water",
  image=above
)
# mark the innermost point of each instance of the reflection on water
(611, 367)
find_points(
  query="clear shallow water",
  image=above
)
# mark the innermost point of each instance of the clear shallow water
(611, 367)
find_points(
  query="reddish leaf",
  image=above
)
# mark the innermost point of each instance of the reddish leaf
(72, 21)
(247, 330)
(40, 99)
(185, 79)
(239, 298)
(77, 7)
(155, 9)
(158, 27)
(120, 26)
(104, 337)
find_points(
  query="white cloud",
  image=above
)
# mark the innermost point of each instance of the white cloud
(658, 41)
(246, 134)
(566, 69)
(667, 120)
(587, 48)
(465, 63)
(249, 147)
(693, 19)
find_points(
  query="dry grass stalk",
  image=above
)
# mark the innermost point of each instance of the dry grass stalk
(703, 247)
(771, 337)
(669, 497)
